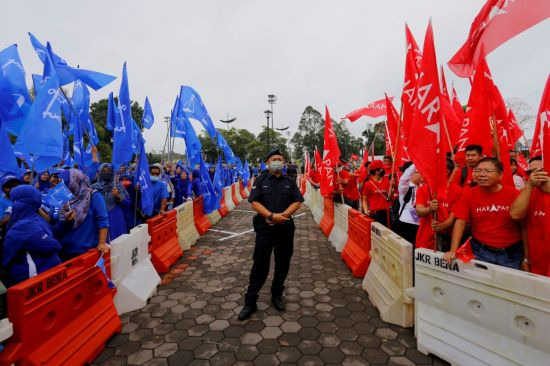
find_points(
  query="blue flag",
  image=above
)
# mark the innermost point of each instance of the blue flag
(262, 166)
(15, 101)
(144, 179)
(111, 112)
(68, 74)
(8, 162)
(148, 117)
(59, 195)
(101, 265)
(192, 106)
(192, 144)
(211, 201)
(41, 135)
(123, 134)
(218, 181)
(224, 146)
(177, 126)
(67, 149)
(246, 173)
(81, 104)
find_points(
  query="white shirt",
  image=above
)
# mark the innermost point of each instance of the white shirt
(404, 185)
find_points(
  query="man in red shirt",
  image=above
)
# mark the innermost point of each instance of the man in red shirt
(375, 200)
(464, 176)
(425, 208)
(496, 237)
(533, 205)
(351, 191)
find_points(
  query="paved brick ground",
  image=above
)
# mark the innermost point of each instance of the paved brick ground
(192, 320)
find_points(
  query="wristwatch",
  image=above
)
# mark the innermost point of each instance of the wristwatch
(270, 217)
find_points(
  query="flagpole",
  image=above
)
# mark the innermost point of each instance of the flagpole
(496, 146)
(451, 147)
(77, 116)
(393, 172)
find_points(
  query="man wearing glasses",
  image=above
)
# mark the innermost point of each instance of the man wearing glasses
(533, 205)
(496, 236)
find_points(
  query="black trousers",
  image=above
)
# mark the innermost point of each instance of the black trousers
(280, 241)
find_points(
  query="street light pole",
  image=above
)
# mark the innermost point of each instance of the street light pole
(272, 99)
(267, 113)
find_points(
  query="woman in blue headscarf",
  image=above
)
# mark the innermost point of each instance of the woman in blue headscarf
(196, 182)
(43, 184)
(184, 189)
(116, 199)
(132, 214)
(91, 224)
(29, 246)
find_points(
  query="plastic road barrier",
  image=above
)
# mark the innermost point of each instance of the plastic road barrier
(234, 197)
(164, 246)
(187, 232)
(214, 217)
(238, 194)
(307, 196)
(201, 220)
(242, 190)
(356, 253)
(327, 222)
(63, 316)
(228, 198)
(390, 275)
(339, 234)
(477, 313)
(132, 271)
(223, 207)
(317, 207)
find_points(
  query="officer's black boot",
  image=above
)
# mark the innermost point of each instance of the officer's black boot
(247, 311)
(278, 302)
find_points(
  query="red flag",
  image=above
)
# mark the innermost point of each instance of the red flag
(522, 164)
(497, 22)
(514, 131)
(307, 164)
(395, 132)
(464, 252)
(444, 90)
(457, 106)
(354, 157)
(375, 109)
(318, 160)
(427, 154)
(541, 137)
(452, 125)
(476, 127)
(413, 62)
(500, 123)
(331, 155)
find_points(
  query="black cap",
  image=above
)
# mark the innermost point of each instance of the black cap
(274, 151)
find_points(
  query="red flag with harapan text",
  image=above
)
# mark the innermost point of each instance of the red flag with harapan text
(427, 153)
(413, 62)
(497, 22)
(375, 109)
(318, 160)
(541, 137)
(514, 131)
(331, 155)
(395, 132)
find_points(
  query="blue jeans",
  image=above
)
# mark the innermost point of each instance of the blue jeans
(510, 258)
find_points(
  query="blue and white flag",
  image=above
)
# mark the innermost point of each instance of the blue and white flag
(218, 181)
(67, 74)
(224, 146)
(15, 101)
(192, 144)
(59, 195)
(192, 106)
(67, 149)
(81, 104)
(246, 173)
(148, 117)
(143, 177)
(8, 162)
(177, 126)
(41, 135)
(123, 130)
(211, 201)
(101, 265)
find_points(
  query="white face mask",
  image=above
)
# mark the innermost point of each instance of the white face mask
(276, 166)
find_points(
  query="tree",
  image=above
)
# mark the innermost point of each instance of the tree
(237, 139)
(377, 135)
(98, 113)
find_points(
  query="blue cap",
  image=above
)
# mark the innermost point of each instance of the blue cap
(6, 178)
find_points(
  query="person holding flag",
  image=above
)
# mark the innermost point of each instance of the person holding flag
(375, 194)
(275, 198)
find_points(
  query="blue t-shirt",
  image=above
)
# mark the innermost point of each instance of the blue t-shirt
(160, 192)
(86, 235)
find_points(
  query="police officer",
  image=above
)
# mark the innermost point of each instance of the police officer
(275, 198)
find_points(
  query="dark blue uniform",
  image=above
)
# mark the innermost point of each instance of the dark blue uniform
(276, 194)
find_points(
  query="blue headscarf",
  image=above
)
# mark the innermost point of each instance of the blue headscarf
(26, 200)
(43, 186)
(105, 188)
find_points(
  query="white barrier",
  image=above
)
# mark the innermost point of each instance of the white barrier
(390, 275)
(6, 329)
(339, 233)
(228, 198)
(187, 232)
(132, 271)
(317, 205)
(214, 217)
(481, 314)
(307, 194)
(238, 191)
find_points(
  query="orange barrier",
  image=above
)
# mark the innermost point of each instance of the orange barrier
(356, 253)
(327, 222)
(241, 189)
(63, 316)
(303, 186)
(223, 207)
(201, 220)
(164, 246)
(234, 195)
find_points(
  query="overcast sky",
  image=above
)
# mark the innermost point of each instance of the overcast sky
(345, 54)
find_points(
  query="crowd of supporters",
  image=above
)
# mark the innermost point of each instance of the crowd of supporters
(37, 234)
(503, 223)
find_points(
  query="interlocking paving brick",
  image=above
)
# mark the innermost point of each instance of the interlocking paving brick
(193, 319)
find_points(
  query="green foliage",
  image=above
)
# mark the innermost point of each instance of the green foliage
(377, 135)
(98, 113)
(311, 130)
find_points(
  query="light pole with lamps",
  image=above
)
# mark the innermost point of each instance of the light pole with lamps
(267, 113)
(272, 99)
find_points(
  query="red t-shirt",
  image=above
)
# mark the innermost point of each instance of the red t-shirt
(489, 215)
(315, 176)
(344, 175)
(458, 176)
(350, 190)
(376, 193)
(425, 234)
(538, 234)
